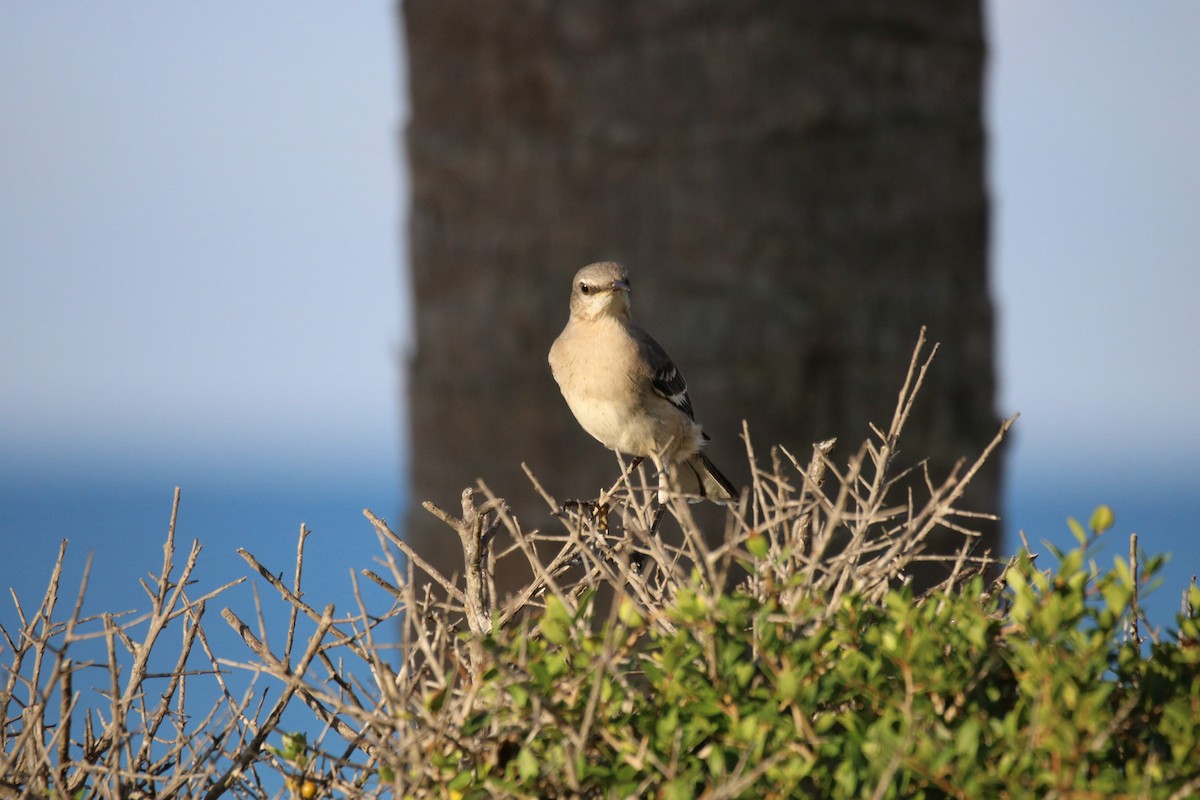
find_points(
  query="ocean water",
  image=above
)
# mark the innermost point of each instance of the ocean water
(122, 520)
(1162, 509)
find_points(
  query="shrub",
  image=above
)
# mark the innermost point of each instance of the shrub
(793, 659)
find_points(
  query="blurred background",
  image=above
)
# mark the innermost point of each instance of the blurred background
(203, 281)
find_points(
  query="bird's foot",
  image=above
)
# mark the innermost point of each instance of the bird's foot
(586, 509)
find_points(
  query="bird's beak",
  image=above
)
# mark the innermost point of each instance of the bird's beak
(620, 286)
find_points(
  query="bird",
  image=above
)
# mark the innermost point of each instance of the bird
(626, 391)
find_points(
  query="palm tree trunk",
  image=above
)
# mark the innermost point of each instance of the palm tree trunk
(795, 187)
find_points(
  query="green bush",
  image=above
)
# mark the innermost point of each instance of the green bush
(1029, 687)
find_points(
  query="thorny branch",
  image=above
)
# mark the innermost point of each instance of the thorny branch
(382, 709)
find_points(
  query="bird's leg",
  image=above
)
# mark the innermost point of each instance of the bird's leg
(637, 558)
(658, 515)
(627, 471)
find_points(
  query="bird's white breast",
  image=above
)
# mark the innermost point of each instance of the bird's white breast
(607, 389)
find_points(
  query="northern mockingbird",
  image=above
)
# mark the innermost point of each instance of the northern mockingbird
(625, 391)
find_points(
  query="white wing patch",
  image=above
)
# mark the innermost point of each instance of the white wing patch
(669, 384)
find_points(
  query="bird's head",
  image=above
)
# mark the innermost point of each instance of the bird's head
(600, 289)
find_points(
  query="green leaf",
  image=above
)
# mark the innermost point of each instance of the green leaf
(787, 683)
(1071, 563)
(556, 622)
(966, 742)
(746, 729)
(519, 695)
(1102, 519)
(689, 605)
(474, 723)
(527, 764)
(679, 789)
(665, 728)
(294, 745)
(1078, 531)
(757, 544)
(628, 613)
(461, 781)
(1117, 595)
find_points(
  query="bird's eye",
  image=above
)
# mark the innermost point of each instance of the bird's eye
(585, 288)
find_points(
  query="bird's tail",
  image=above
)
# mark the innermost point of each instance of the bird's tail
(699, 478)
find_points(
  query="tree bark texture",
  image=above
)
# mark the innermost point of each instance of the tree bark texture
(795, 187)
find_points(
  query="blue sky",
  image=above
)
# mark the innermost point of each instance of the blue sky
(199, 227)
(200, 222)
(1094, 115)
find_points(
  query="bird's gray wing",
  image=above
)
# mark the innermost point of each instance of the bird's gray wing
(665, 377)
